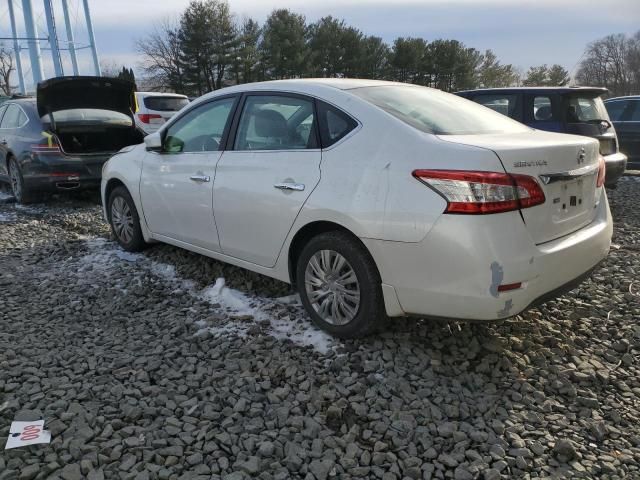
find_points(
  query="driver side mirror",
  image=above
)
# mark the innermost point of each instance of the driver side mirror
(153, 141)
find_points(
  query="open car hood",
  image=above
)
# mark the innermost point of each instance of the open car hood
(104, 93)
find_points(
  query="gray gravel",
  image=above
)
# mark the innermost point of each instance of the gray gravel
(143, 369)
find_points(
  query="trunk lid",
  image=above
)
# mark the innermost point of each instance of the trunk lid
(103, 93)
(565, 166)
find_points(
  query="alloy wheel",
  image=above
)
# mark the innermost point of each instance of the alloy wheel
(122, 219)
(332, 287)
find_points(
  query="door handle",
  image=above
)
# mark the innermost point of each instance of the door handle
(290, 186)
(200, 178)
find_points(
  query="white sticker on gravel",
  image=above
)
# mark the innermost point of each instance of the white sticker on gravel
(283, 324)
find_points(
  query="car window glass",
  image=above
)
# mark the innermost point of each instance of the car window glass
(585, 109)
(165, 104)
(436, 112)
(504, 104)
(334, 124)
(542, 109)
(274, 122)
(11, 117)
(200, 130)
(3, 108)
(635, 113)
(615, 110)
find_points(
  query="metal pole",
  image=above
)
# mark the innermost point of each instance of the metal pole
(92, 38)
(53, 39)
(16, 48)
(70, 40)
(34, 45)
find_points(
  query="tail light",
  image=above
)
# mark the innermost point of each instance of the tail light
(51, 147)
(477, 193)
(602, 171)
(146, 117)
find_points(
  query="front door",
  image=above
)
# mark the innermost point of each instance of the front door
(264, 180)
(176, 187)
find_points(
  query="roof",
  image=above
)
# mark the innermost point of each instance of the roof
(628, 97)
(161, 94)
(560, 90)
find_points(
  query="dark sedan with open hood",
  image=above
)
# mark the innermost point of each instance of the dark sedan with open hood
(60, 139)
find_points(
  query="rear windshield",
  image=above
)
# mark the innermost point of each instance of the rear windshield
(433, 111)
(586, 109)
(89, 116)
(165, 104)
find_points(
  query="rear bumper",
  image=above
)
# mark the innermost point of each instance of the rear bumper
(63, 174)
(616, 164)
(455, 271)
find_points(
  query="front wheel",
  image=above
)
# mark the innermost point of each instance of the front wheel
(124, 220)
(339, 285)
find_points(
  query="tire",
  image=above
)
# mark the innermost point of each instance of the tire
(124, 220)
(21, 192)
(321, 290)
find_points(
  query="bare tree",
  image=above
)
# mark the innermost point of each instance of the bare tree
(612, 62)
(6, 68)
(162, 57)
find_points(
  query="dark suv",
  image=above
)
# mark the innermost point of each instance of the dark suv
(575, 110)
(625, 115)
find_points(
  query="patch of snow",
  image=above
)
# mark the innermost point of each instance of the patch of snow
(230, 299)
(7, 217)
(302, 333)
(5, 196)
(289, 299)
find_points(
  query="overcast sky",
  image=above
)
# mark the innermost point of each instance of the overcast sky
(522, 32)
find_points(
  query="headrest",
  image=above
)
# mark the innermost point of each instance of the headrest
(270, 123)
(543, 113)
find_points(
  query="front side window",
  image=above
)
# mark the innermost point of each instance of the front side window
(275, 122)
(201, 129)
(542, 111)
(582, 109)
(504, 104)
(436, 112)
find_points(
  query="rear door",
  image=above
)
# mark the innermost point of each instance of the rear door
(265, 177)
(566, 168)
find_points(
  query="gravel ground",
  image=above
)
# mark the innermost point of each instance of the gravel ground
(169, 365)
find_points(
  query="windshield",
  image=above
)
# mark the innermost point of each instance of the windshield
(586, 109)
(89, 115)
(165, 104)
(436, 112)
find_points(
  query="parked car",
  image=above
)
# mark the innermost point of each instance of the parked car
(60, 139)
(575, 110)
(625, 115)
(370, 197)
(156, 108)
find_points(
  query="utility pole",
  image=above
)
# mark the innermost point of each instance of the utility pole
(53, 39)
(92, 39)
(70, 40)
(16, 48)
(34, 43)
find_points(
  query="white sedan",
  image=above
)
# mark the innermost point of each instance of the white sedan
(372, 198)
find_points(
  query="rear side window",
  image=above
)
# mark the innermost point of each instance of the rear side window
(334, 124)
(504, 104)
(634, 113)
(616, 109)
(13, 118)
(542, 111)
(165, 104)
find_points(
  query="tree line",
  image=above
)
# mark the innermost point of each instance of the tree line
(206, 48)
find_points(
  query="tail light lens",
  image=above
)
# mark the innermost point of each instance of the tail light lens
(146, 117)
(602, 171)
(51, 147)
(477, 193)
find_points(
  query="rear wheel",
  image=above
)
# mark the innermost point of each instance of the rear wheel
(20, 191)
(124, 220)
(339, 285)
